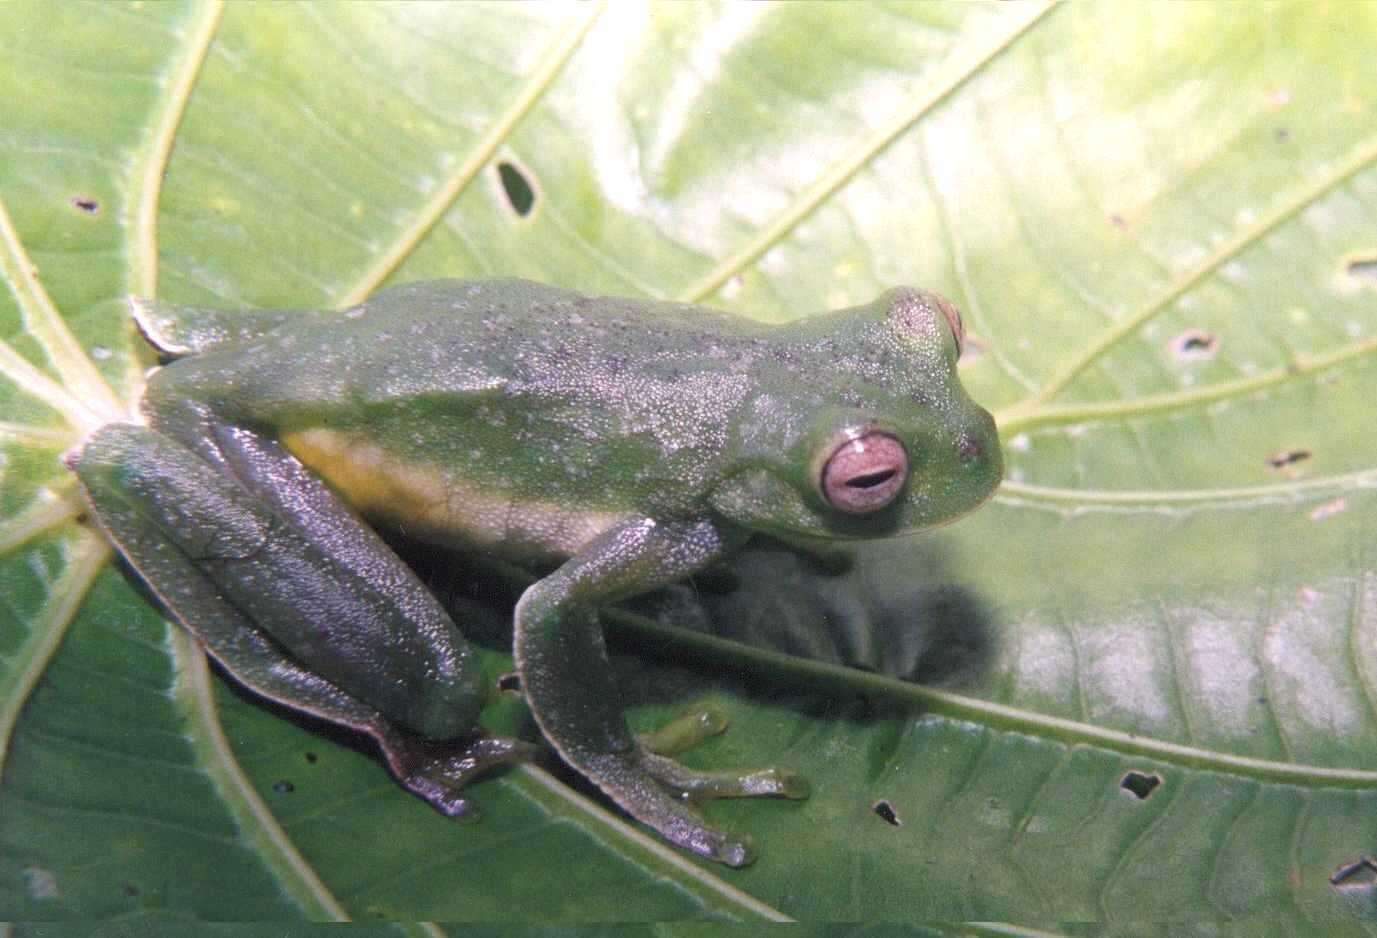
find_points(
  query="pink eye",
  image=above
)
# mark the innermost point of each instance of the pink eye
(865, 474)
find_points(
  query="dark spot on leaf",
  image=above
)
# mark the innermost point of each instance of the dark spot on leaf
(1140, 784)
(1117, 220)
(1355, 874)
(886, 811)
(511, 681)
(84, 203)
(1194, 345)
(1287, 457)
(311, 757)
(1364, 269)
(283, 787)
(520, 193)
(1282, 134)
(130, 890)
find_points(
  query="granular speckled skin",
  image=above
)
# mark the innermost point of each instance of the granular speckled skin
(638, 440)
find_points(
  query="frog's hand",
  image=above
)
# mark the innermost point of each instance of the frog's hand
(232, 569)
(568, 684)
(178, 331)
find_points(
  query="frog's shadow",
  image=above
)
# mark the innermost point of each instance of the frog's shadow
(904, 620)
(888, 612)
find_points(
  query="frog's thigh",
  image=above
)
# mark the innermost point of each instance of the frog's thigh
(303, 571)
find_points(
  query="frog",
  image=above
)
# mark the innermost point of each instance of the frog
(615, 445)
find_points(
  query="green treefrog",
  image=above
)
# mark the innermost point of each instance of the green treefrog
(622, 443)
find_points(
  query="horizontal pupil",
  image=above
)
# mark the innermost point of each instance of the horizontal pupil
(870, 479)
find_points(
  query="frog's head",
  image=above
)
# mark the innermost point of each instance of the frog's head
(866, 430)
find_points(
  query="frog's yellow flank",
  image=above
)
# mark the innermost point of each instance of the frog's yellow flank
(431, 502)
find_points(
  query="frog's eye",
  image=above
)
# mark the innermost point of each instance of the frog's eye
(864, 474)
(958, 329)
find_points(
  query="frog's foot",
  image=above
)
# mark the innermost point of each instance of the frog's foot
(688, 730)
(438, 771)
(754, 783)
(660, 792)
(666, 803)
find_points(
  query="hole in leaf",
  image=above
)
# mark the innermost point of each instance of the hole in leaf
(511, 681)
(519, 191)
(886, 811)
(1364, 269)
(1140, 784)
(84, 203)
(283, 787)
(1287, 457)
(1360, 873)
(1194, 345)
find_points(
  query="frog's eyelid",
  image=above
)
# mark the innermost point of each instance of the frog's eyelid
(958, 328)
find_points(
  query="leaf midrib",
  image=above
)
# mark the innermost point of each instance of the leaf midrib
(794, 671)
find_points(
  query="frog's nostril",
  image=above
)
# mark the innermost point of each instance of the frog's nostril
(969, 449)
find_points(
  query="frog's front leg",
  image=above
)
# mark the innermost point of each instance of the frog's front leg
(569, 685)
(299, 600)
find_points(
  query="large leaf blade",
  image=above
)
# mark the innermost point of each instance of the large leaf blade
(1156, 598)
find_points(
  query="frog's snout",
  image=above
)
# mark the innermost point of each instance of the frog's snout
(978, 452)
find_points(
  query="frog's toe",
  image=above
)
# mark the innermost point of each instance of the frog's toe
(732, 850)
(755, 783)
(440, 796)
(686, 731)
(438, 771)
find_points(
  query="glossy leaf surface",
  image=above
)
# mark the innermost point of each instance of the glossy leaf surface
(1146, 675)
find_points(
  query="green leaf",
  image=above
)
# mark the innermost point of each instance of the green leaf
(1140, 685)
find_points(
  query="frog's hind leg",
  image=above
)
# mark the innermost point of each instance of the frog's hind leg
(239, 574)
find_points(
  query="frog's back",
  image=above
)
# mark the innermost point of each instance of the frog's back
(438, 338)
(515, 390)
